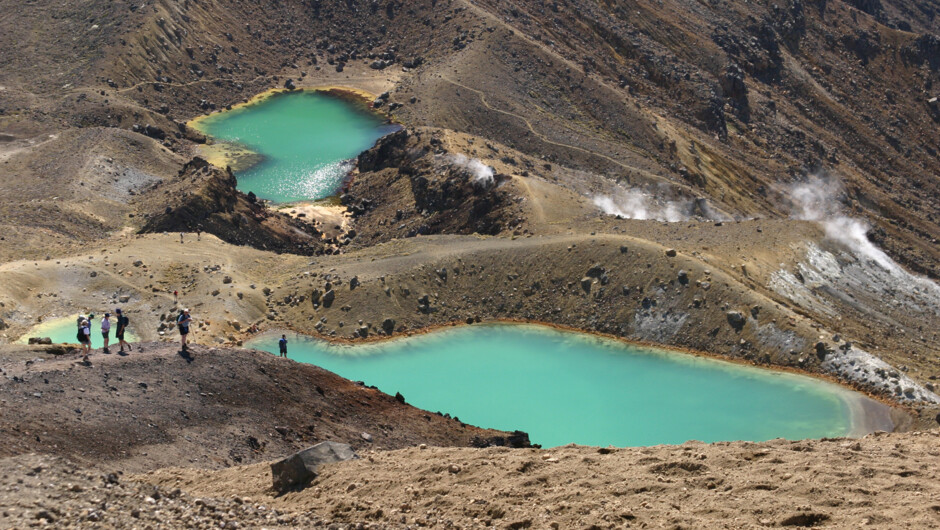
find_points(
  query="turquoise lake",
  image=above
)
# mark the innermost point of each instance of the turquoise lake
(305, 140)
(564, 387)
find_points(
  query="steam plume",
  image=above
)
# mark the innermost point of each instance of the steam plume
(634, 203)
(480, 173)
(818, 200)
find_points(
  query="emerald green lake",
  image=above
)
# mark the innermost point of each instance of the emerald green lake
(564, 387)
(305, 141)
(65, 330)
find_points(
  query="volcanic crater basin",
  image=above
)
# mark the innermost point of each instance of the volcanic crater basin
(563, 387)
(291, 146)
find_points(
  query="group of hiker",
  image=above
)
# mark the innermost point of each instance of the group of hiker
(183, 322)
(84, 332)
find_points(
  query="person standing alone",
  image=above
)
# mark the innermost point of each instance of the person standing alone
(182, 322)
(122, 322)
(106, 331)
(282, 345)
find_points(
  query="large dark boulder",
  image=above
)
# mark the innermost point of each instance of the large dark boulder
(299, 469)
(328, 298)
(736, 319)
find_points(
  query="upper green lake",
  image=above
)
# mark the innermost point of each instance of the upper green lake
(304, 142)
(564, 387)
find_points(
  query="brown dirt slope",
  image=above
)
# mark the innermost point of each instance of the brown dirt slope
(886, 481)
(216, 407)
(728, 102)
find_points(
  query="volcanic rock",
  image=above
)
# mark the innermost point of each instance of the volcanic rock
(297, 470)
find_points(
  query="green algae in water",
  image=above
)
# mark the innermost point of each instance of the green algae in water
(305, 141)
(65, 330)
(564, 387)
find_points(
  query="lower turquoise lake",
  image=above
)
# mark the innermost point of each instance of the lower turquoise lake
(305, 141)
(564, 387)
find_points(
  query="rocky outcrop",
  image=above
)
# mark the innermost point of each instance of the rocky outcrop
(215, 206)
(409, 185)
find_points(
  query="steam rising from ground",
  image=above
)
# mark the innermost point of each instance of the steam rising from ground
(634, 203)
(480, 173)
(818, 200)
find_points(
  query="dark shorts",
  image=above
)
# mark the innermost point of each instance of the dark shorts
(119, 334)
(283, 350)
(184, 331)
(85, 340)
(106, 334)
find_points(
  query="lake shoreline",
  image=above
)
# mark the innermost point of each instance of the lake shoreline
(214, 150)
(867, 413)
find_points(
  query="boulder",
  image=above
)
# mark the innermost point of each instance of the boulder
(289, 84)
(299, 469)
(40, 340)
(388, 325)
(586, 284)
(353, 283)
(328, 298)
(154, 132)
(822, 350)
(671, 252)
(736, 319)
(596, 271)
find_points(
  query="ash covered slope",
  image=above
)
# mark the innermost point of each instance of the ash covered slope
(722, 99)
(219, 407)
(726, 485)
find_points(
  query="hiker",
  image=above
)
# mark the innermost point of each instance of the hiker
(122, 322)
(282, 345)
(176, 297)
(106, 331)
(182, 322)
(181, 238)
(84, 338)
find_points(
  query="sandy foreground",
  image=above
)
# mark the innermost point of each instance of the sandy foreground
(881, 481)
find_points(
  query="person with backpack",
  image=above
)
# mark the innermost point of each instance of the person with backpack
(122, 322)
(282, 345)
(84, 338)
(106, 331)
(182, 323)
